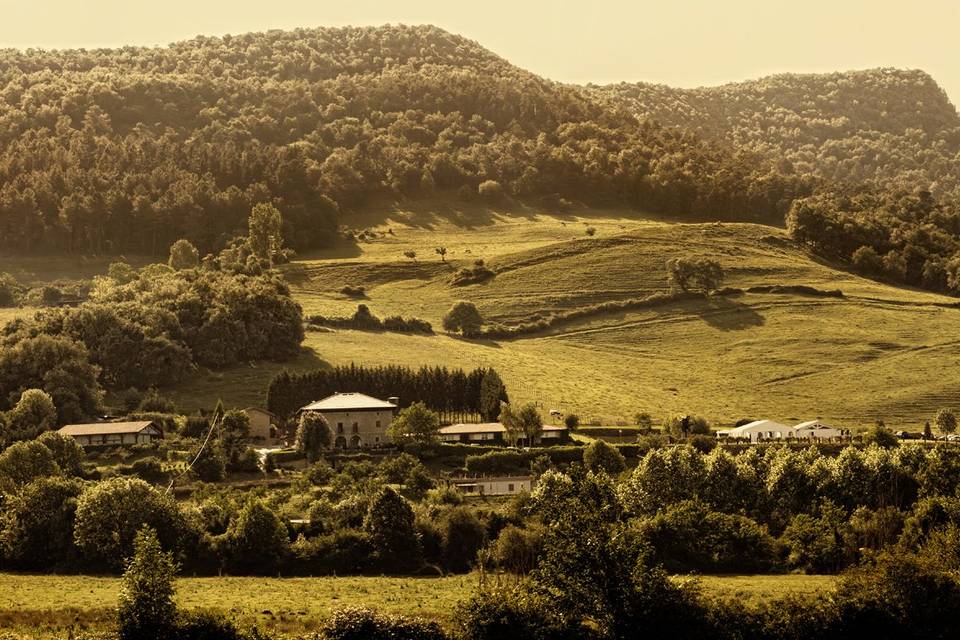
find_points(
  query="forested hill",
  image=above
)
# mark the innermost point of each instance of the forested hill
(877, 125)
(130, 149)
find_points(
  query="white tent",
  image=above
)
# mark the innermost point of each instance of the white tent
(814, 429)
(759, 430)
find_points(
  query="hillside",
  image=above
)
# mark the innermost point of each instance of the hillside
(876, 353)
(855, 127)
(127, 150)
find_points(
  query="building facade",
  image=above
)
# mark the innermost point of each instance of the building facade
(493, 486)
(356, 420)
(264, 426)
(495, 433)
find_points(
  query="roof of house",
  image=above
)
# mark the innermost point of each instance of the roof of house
(105, 428)
(759, 425)
(814, 424)
(481, 479)
(348, 401)
(486, 427)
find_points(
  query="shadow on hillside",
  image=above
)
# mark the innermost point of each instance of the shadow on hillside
(728, 315)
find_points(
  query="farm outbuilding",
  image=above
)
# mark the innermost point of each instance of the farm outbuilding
(495, 433)
(493, 486)
(816, 430)
(104, 434)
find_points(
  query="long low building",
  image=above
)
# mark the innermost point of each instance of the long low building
(493, 486)
(112, 433)
(495, 433)
(765, 430)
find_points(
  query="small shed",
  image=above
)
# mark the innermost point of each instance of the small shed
(102, 434)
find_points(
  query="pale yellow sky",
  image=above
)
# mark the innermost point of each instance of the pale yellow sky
(677, 42)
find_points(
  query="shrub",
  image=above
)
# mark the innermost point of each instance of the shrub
(111, 512)
(210, 463)
(463, 535)
(465, 318)
(695, 273)
(149, 469)
(36, 531)
(689, 537)
(476, 274)
(516, 550)
(353, 292)
(256, 539)
(514, 614)
(703, 444)
(389, 521)
(571, 421)
(601, 456)
(490, 190)
(9, 288)
(355, 623)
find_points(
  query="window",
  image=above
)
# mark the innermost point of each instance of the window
(356, 427)
(339, 427)
(378, 424)
(510, 488)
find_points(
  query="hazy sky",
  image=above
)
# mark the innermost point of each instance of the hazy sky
(678, 42)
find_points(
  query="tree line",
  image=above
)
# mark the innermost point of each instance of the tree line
(455, 394)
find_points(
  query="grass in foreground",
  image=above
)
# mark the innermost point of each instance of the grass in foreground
(48, 606)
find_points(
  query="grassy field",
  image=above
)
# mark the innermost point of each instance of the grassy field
(51, 605)
(879, 352)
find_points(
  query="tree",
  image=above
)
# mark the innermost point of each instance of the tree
(510, 419)
(463, 535)
(147, 610)
(442, 252)
(531, 423)
(67, 452)
(8, 290)
(416, 423)
(111, 512)
(493, 393)
(694, 273)
(33, 414)
(257, 538)
(571, 421)
(265, 232)
(183, 255)
(390, 523)
(881, 436)
(946, 421)
(36, 531)
(464, 317)
(412, 255)
(23, 462)
(591, 231)
(57, 365)
(313, 435)
(210, 462)
(490, 189)
(927, 431)
(602, 456)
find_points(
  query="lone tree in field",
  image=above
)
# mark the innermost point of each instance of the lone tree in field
(591, 231)
(265, 232)
(946, 421)
(410, 254)
(313, 435)
(416, 423)
(465, 318)
(183, 255)
(442, 252)
(146, 606)
(688, 274)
